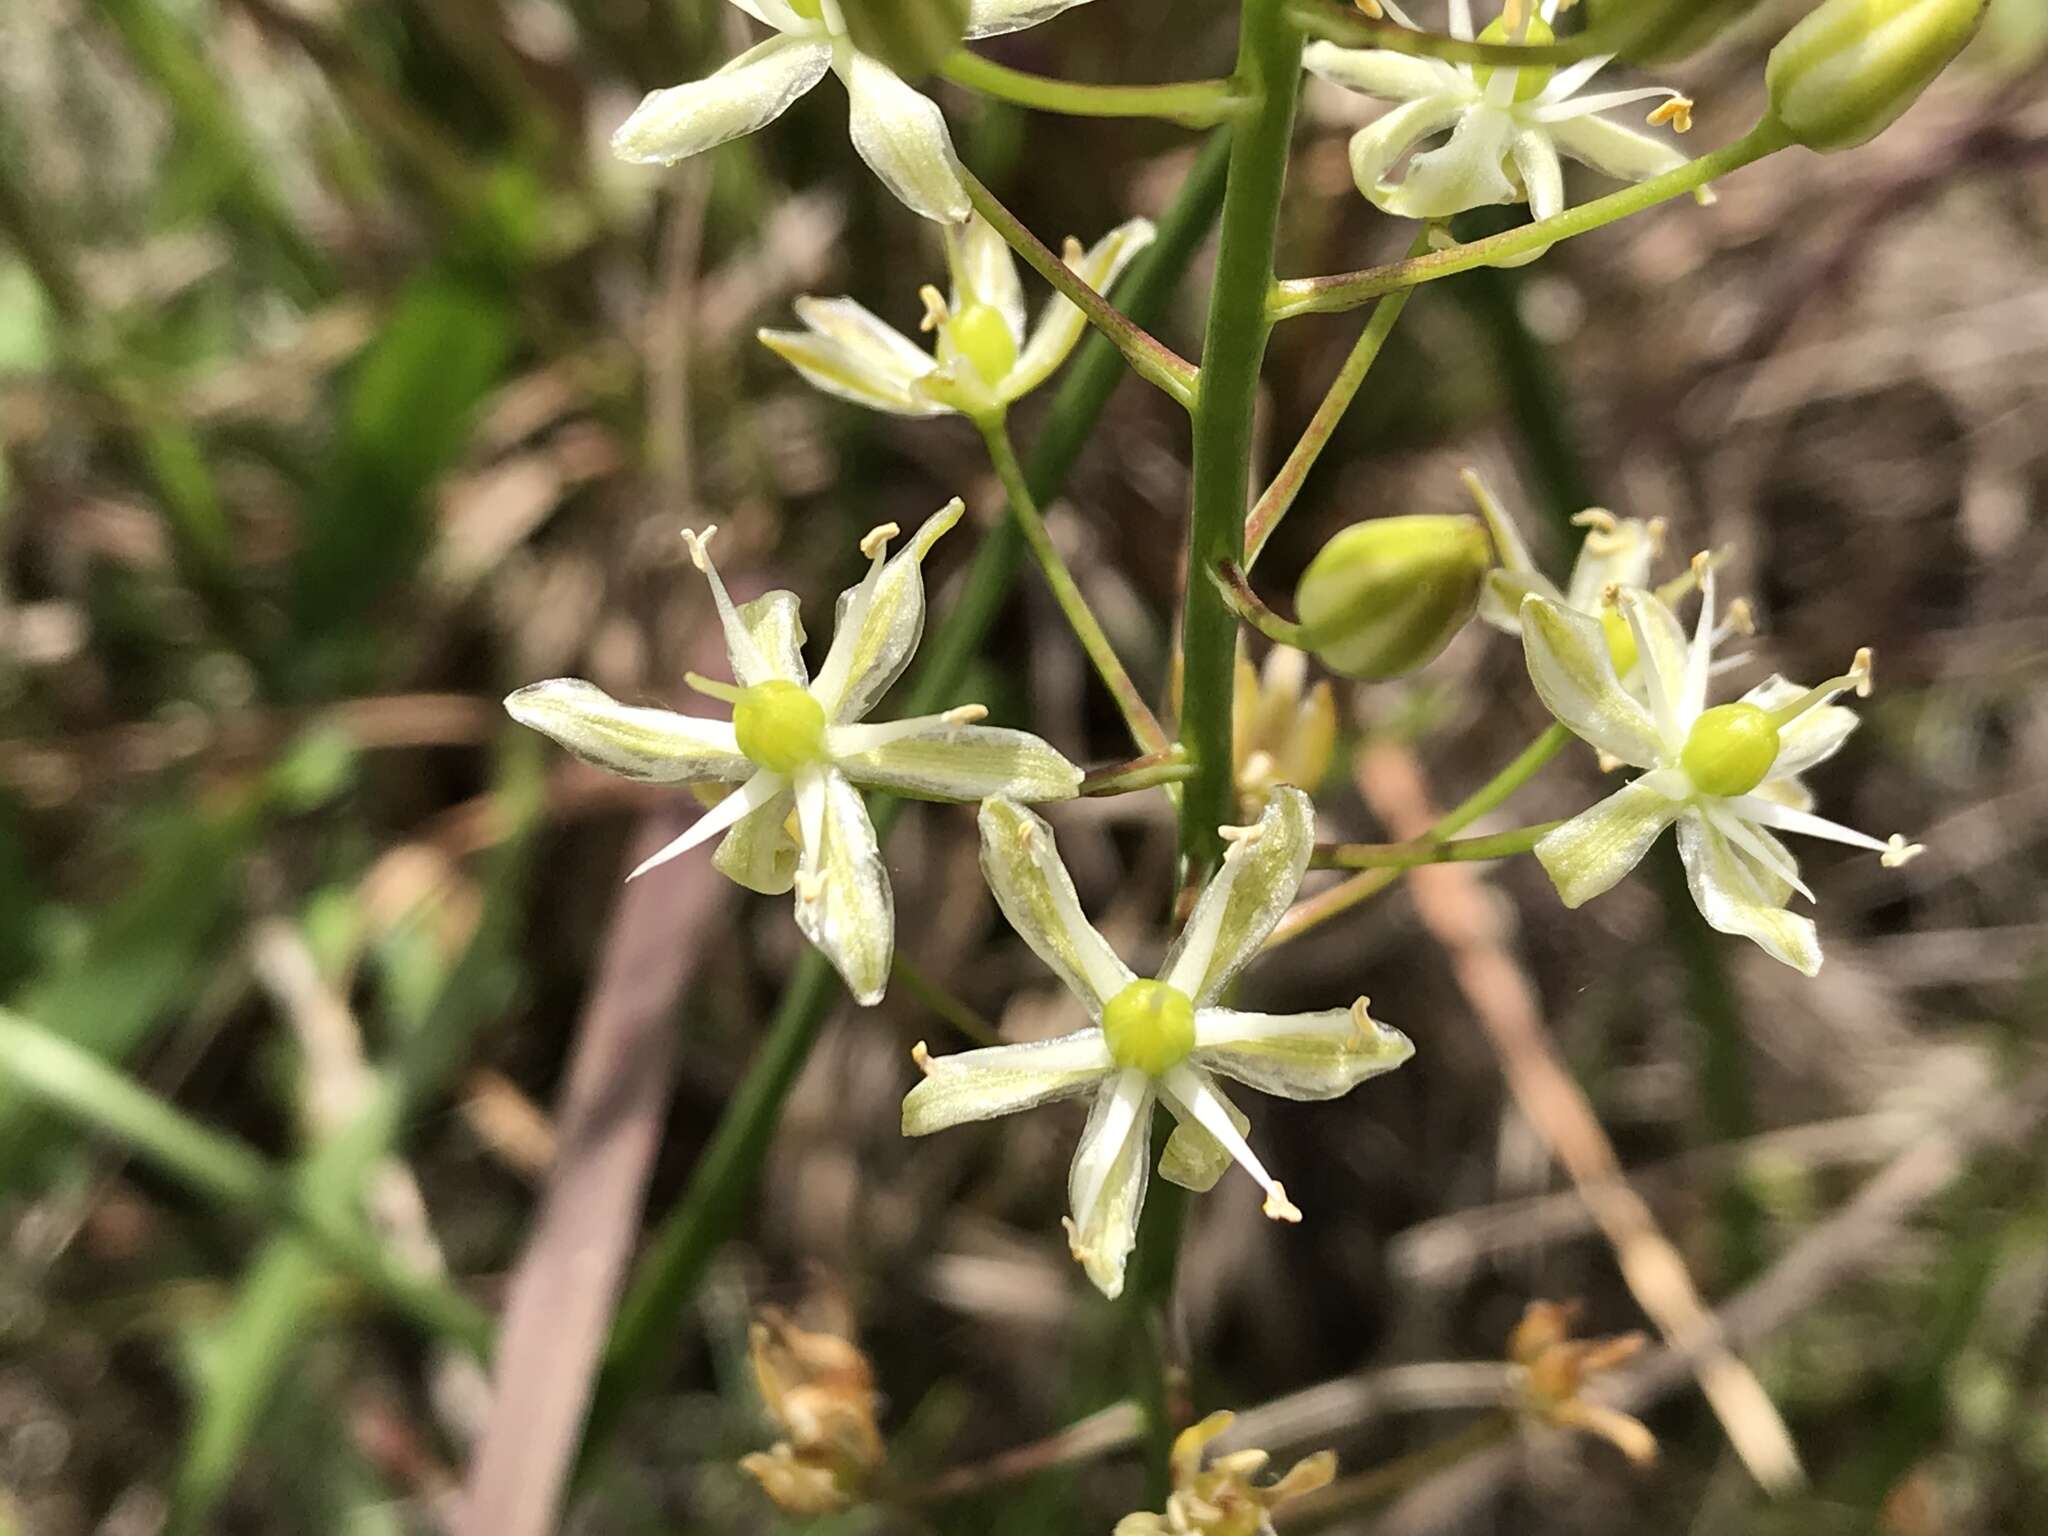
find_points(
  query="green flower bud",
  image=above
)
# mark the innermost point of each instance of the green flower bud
(1150, 1026)
(1385, 597)
(1658, 31)
(1529, 82)
(1729, 749)
(1621, 641)
(1846, 72)
(912, 37)
(779, 725)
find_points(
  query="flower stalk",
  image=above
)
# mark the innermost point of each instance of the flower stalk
(1191, 103)
(1431, 850)
(1347, 290)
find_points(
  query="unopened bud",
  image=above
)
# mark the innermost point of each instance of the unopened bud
(912, 37)
(1385, 597)
(1846, 72)
(1659, 31)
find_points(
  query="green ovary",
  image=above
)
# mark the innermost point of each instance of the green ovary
(1149, 1026)
(780, 726)
(810, 10)
(1621, 641)
(980, 334)
(1730, 749)
(1530, 80)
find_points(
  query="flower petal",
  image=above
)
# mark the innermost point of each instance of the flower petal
(655, 746)
(1061, 322)
(749, 93)
(779, 15)
(776, 621)
(843, 902)
(1574, 676)
(1807, 740)
(879, 623)
(1262, 870)
(1663, 662)
(1590, 853)
(992, 18)
(1106, 1186)
(1772, 813)
(1614, 150)
(1377, 146)
(1193, 1158)
(1002, 1079)
(984, 272)
(850, 352)
(1619, 556)
(937, 758)
(1501, 594)
(1464, 173)
(1382, 73)
(1031, 885)
(1542, 174)
(759, 852)
(903, 138)
(1319, 1055)
(1733, 899)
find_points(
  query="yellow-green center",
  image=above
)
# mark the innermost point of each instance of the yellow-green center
(980, 334)
(1730, 749)
(1530, 79)
(1621, 640)
(1149, 1026)
(780, 726)
(810, 10)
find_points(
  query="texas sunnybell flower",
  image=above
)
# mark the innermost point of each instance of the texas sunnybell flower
(1163, 1041)
(984, 357)
(1550, 1371)
(1728, 775)
(897, 130)
(819, 1390)
(1282, 731)
(1508, 127)
(1221, 1499)
(793, 741)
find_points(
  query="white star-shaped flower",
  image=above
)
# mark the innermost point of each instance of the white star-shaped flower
(984, 359)
(1165, 1041)
(897, 130)
(1508, 127)
(795, 743)
(1727, 775)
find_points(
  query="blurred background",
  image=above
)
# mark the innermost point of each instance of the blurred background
(346, 382)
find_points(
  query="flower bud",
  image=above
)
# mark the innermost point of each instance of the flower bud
(912, 37)
(1659, 31)
(1385, 597)
(1851, 67)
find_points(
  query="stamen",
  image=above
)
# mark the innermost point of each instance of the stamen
(810, 886)
(936, 313)
(1702, 563)
(1371, 8)
(1742, 618)
(1654, 531)
(1239, 839)
(699, 545)
(1677, 112)
(1610, 595)
(965, 714)
(1599, 519)
(1857, 677)
(922, 1057)
(875, 542)
(712, 688)
(1515, 15)
(1897, 852)
(1278, 1207)
(1028, 836)
(1361, 1017)
(1073, 252)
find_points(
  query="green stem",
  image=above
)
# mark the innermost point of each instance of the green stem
(1366, 884)
(1431, 850)
(1192, 103)
(1268, 75)
(1278, 497)
(1145, 728)
(1151, 358)
(1348, 290)
(1248, 608)
(929, 994)
(224, 1170)
(723, 1181)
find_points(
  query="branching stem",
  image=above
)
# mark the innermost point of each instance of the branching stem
(1191, 103)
